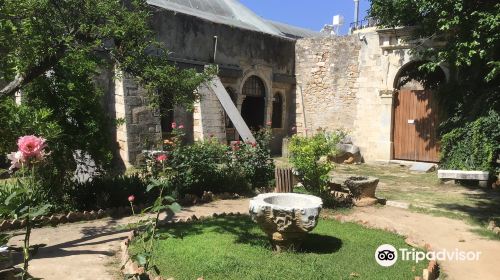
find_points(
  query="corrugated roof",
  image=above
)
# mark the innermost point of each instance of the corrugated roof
(294, 31)
(233, 13)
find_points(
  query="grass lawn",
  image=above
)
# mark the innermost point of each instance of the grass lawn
(427, 194)
(235, 248)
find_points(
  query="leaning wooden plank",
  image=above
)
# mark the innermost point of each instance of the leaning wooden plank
(231, 110)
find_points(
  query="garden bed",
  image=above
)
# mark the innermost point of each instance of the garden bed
(235, 248)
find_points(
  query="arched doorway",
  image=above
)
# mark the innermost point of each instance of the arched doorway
(416, 114)
(254, 103)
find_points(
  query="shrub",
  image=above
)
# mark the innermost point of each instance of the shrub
(474, 146)
(216, 167)
(308, 156)
(107, 192)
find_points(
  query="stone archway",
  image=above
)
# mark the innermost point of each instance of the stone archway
(416, 114)
(253, 109)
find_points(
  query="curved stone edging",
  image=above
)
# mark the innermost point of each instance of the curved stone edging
(71, 217)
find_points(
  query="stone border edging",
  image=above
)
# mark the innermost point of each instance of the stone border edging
(71, 217)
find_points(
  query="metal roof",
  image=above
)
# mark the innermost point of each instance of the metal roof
(294, 31)
(232, 13)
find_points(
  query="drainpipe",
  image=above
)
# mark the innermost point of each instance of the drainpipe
(356, 13)
(216, 40)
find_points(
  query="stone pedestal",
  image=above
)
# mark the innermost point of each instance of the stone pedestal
(286, 218)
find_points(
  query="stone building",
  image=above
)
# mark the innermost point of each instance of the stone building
(286, 75)
(256, 60)
(356, 83)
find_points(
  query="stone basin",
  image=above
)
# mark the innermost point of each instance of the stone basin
(286, 218)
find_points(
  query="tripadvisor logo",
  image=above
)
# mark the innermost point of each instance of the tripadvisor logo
(386, 255)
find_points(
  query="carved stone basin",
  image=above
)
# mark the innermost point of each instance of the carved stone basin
(363, 189)
(285, 217)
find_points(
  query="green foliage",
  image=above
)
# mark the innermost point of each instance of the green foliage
(107, 192)
(474, 146)
(55, 53)
(148, 229)
(202, 166)
(213, 166)
(309, 158)
(24, 200)
(468, 28)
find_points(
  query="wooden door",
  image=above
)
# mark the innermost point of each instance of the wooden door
(415, 123)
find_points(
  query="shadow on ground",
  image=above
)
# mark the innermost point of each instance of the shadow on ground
(247, 232)
(91, 236)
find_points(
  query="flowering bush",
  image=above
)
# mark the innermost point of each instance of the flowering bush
(212, 166)
(25, 200)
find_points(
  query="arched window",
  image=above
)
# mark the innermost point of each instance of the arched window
(254, 86)
(277, 120)
(253, 107)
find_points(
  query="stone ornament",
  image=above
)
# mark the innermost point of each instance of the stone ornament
(285, 217)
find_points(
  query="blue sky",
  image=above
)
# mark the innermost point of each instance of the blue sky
(310, 14)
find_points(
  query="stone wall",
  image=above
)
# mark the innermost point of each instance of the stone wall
(348, 82)
(208, 117)
(327, 71)
(142, 126)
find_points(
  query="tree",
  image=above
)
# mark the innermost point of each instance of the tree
(52, 51)
(470, 31)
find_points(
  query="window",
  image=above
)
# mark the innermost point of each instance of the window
(254, 86)
(277, 119)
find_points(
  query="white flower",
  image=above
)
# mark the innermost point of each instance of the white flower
(16, 159)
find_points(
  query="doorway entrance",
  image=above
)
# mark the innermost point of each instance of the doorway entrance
(254, 103)
(416, 115)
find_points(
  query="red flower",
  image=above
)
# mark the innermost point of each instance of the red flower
(174, 125)
(131, 198)
(254, 144)
(162, 157)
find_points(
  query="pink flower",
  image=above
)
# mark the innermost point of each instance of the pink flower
(16, 160)
(162, 157)
(181, 126)
(174, 125)
(294, 128)
(31, 146)
(269, 123)
(131, 198)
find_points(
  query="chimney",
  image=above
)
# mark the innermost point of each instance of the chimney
(356, 13)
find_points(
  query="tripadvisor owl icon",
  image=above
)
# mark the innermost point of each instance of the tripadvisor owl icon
(386, 255)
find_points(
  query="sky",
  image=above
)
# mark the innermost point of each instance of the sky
(310, 14)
